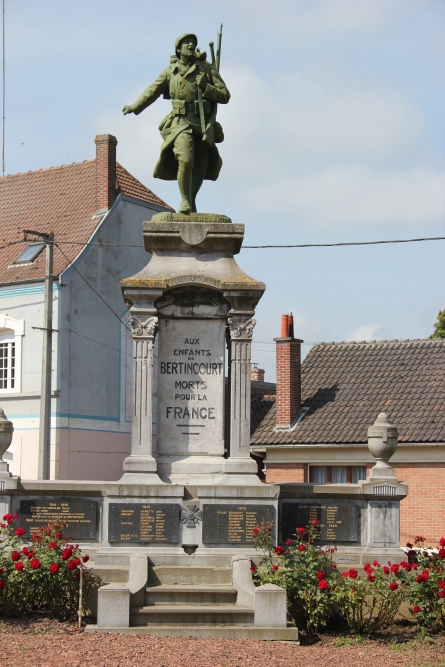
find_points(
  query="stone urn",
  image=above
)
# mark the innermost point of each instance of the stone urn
(382, 443)
(6, 430)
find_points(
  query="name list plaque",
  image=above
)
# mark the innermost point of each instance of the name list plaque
(80, 516)
(144, 522)
(233, 524)
(337, 522)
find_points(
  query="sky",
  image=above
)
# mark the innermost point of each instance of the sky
(334, 133)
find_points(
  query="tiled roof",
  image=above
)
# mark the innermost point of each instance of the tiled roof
(346, 385)
(60, 199)
(259, 406)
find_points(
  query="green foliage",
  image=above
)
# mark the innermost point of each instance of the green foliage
(43, 576)
(439, 327)
(371, 603)
(303, 570)
(427, 591)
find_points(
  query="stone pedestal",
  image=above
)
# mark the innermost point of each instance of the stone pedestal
(193, 292)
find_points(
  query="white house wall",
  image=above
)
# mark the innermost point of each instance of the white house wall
(95, 365)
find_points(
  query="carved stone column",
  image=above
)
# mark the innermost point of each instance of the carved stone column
(240, 341)
(141, 459)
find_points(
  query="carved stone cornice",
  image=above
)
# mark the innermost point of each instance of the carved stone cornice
(241, 329)
(147, 329)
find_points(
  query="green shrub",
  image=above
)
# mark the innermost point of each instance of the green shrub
(45, 575)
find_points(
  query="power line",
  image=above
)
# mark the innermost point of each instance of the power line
(334, 245)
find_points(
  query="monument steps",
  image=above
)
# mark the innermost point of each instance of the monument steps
(111, 574)
(188, 614)
(189, 575)
(197, 594)
(289, 634)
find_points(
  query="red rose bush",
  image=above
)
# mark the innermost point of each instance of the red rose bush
(302, 569)
(43, 575)
(427, 590)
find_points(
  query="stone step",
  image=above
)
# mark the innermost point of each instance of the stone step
(196, 594)
(191, 615)
(189, 575)
(222, 632)
(112, 559)
(111, 574)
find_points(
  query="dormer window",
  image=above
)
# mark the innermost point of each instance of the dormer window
(30, 254)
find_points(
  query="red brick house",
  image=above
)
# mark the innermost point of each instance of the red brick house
(315, 430)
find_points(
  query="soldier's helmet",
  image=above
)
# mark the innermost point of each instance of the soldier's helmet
(181, 37)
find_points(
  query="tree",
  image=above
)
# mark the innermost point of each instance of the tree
(439, 327)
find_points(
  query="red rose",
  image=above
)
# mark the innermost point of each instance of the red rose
(253, 568)
(322, 584)
(320, 576)
(395, 567)
(86, 558)
(344, 574)
(416, 609)
(441, 594)
(30, 553)
(15, 555)
(353, 573)
(19, 532)
(441, 553)
(333, 564)
(279, 550)
(2, 584)
(371, 578)
(386, 569)
(366, 567)
(72, 565)
(255, 531)
(414, 566)
(376, 563)
(59, 535)
(25, 551)
(52, 545)
(300, 531)
(34, 563)
(420, 578)
(19, 566)
(275, 567)
(8, 518)
(54, 568)
(2, 569)
(313, 521)
(68, 552)
(35, 537)
(442, 584)
(301, 547)
(288, 542)
(425, 574)
(393, 586)
(442, 541)
(2, 525)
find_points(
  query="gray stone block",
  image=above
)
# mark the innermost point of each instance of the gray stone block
(270, 607)
(113, 607)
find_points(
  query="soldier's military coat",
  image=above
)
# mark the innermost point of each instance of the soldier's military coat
(178, 83)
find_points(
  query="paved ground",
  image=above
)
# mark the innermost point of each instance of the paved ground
(44, 643)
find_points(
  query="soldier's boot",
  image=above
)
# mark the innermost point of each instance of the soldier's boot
(196, 185)
(199, 171)
(185, 187)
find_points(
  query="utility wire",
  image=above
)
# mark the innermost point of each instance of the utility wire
(91, 287)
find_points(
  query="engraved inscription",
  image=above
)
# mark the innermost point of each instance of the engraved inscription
(79, 515)
(337, 522)
(141, 522)
(233, 524)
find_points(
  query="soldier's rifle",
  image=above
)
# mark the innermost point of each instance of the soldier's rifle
(208, 129)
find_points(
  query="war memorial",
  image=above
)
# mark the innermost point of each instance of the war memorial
(172, 539)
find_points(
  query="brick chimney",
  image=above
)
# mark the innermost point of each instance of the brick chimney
(105, 171)
(256, 374)
(288, 350)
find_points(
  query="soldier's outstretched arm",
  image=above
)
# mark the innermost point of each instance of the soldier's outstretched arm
(216, 90)
(149, 95)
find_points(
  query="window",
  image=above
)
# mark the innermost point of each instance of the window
(7, 364)
(336, 474)
(30, 254)
(11, 336)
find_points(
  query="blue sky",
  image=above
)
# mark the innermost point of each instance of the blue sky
(334, 132)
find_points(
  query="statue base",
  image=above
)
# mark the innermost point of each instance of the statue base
(193, 217)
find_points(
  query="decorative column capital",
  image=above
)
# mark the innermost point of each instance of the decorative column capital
(241, 329)
(140, 329)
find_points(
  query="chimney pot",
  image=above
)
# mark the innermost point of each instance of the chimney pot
(105, 171)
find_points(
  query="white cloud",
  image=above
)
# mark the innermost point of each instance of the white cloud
(366, 332)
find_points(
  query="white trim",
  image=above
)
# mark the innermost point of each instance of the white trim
(18, 327)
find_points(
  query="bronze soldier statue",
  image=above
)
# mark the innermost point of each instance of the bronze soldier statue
(190, 131)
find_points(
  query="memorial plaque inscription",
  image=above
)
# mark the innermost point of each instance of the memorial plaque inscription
(337, 522)
(143, 522)
(79, 515)
(233, 524)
